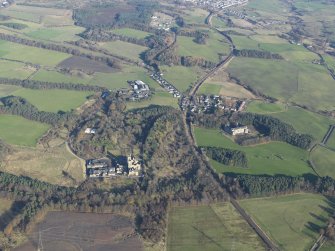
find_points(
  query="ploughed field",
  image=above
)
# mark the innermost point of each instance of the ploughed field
(83, 231)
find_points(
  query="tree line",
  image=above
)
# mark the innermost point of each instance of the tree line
(21, 107)
(244, 185)
(35, 84)
(60, 48)
(275, 129)
(257, 54)
(16, 26)
(226, 156)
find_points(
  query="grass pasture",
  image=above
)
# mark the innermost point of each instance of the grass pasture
(124, 49)
(210, 51)
(14, 51)
(57, 77)
(20, 131)
(272, 158)
(331, 141)
(11, 69)
(292, 221)
(131, 33)
(6, 90)
(195, 16)
(260, 107)
(296, 85)
(181, 77)
(53, 100)
(58, 34)
(48, 165)
(215, 227)
(39, 14)
(324, 160)
(299, 118)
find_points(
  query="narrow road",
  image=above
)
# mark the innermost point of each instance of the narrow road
(202, 158)
(328, 134)
(210, 74)
(254, 226)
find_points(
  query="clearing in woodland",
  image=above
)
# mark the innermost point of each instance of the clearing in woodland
(54, 164)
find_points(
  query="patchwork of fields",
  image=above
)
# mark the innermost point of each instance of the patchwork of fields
(300, 86)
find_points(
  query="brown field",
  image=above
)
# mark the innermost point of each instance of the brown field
(69, 231)
(54, 164)
(226, 87)
(86, 65)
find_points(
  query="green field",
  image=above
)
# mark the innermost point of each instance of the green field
(54, 76)
(210, 51)
(292, 221)
(328, 246)
(53, 100)
(195, 16)
(210, 88)
(20, 131)
(271, 158)
(331, 141)
(299, 118)
(265, 108)
(296, 85)
(10, 69)
(181, 77)
(6, 90)
(131, 33)
(215, 227)
(59, 34)
(30, 54)
(124, 49)
(324, 160)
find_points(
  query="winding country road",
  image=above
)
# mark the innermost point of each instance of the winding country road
(201, 156)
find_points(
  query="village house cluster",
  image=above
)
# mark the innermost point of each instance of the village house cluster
(140, 90)
(165, 84)
(107, 168)
(211, 103)
(217, 4)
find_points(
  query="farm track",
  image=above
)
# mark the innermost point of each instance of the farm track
(328, 134)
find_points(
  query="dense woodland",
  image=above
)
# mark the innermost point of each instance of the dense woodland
(16, 26)
(257, 54)
(111, 15)
(226, 156)
(262, 185)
